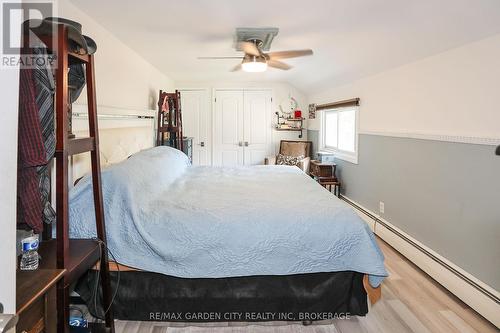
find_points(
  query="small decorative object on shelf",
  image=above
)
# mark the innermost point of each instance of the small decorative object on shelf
(288, 107)
(297, 114)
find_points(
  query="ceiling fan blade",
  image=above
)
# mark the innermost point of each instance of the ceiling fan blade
(219, 57)
(289, 54)
(236, 68)
(278, 64)
(250, 48)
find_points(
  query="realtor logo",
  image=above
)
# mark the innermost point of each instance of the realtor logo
(13, 39)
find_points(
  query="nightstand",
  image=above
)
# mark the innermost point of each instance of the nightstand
(36, 300)
(325, 175)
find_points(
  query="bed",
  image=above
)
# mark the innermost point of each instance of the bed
(203, 242)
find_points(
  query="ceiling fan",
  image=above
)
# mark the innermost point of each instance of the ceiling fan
(255, 60)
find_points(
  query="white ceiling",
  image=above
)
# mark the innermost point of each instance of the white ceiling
(350, 38)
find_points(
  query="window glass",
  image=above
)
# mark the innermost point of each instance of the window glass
(338, 133)
(347, 130)
(331, 120)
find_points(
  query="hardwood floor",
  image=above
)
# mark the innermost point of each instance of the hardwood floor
(411, 302)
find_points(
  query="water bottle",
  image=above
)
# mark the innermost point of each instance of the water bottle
(29, 258)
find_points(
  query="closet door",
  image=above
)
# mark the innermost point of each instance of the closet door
(195, 122)
(257, 131)
(228, 128)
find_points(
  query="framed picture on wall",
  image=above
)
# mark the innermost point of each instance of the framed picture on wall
(312, 111)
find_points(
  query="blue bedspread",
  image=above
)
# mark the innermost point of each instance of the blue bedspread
(163, 215)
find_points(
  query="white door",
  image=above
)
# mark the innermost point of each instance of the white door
(228, 128)
(195, 121)
(256, 129)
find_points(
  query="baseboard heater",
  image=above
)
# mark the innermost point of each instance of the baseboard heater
(377, 220)
(486, 302)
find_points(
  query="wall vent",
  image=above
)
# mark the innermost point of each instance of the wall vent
(266, 35)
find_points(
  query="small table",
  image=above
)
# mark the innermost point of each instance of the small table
(324, 173)
(36, 299)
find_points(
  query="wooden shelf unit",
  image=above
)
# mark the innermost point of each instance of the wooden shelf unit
(288, 129)
(299, 128)
(74, 256)
(82, 253)
(169, 127)
(293, 119)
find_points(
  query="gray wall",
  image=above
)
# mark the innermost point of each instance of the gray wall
(446, 195)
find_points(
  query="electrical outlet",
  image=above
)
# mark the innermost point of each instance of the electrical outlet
(381, 207)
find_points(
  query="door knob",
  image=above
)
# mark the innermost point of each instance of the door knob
(202, 144)
(240, 144)
(246, 143)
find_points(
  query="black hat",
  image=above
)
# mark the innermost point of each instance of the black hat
(48, 26)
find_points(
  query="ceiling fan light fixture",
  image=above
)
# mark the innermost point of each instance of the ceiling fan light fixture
(254, 67)
(253, 64)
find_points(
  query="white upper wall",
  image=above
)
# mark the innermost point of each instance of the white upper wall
(452, 93)
(124, 79)
(350, 39)
(9, 81)
(126, 83)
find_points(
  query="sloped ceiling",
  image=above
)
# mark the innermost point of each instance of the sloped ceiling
(351, 39)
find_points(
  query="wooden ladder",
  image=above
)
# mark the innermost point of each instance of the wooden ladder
(77, 256)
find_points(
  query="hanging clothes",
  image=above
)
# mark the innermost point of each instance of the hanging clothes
(36, 137)
(45, 88)
(76, 78)
(31, 154)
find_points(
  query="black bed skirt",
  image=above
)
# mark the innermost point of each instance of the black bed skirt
(147, 296)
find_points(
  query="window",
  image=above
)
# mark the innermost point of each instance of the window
(339, 133)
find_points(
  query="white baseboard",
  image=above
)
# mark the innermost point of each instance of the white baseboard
(439, 270)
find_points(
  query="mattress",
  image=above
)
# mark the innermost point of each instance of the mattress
(165, 216)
